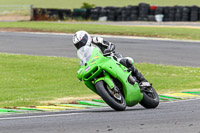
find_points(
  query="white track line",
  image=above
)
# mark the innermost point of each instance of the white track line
(113, 36)
(39, 116)
(180, 101)
(70, 114)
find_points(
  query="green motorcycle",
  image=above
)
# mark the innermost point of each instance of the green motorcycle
(113, 81)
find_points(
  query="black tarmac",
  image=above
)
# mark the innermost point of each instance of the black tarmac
(168, 52)
(173, 117)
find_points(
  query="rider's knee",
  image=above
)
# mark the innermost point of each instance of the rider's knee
(130, 59)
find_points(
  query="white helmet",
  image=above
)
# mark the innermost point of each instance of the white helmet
(81, 38)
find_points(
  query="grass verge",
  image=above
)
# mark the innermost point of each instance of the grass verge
(165, 32)
(31, 80)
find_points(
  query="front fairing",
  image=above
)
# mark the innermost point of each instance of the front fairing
(88, 56)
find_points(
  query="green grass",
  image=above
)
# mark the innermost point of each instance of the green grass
(165, 32)
(27, 80)
(77, 3)
(15, 10)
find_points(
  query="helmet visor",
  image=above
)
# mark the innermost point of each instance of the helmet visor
(82, 42)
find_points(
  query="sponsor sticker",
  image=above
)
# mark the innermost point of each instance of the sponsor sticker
(88, 68)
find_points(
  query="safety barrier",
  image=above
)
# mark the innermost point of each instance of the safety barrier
(141, 12)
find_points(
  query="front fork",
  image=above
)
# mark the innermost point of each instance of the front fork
(108, 81)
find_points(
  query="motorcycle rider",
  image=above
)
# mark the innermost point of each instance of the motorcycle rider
(82, 38)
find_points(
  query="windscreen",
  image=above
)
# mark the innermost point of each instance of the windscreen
(84, 54)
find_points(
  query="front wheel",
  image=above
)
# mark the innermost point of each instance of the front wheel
(114, 100)
(150, 98)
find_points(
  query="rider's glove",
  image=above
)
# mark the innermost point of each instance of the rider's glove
(97, 40)
(111, 47)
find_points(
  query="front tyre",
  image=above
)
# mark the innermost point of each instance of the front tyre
(114, 100)
(150, 98)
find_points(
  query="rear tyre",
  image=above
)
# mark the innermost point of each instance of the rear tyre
(150, 98)
(114, 100)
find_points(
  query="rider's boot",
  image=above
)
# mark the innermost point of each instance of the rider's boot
(142, 81)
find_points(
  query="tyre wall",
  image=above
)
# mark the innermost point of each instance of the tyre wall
(141, 12)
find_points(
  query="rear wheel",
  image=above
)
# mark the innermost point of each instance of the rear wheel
(114, 99)
(150, 98)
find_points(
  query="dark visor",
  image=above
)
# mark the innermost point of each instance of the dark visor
(82, 42)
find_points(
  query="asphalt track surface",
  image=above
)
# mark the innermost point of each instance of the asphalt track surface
(174, 117)
(169, 52)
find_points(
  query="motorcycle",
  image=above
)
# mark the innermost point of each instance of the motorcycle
(112, 81)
